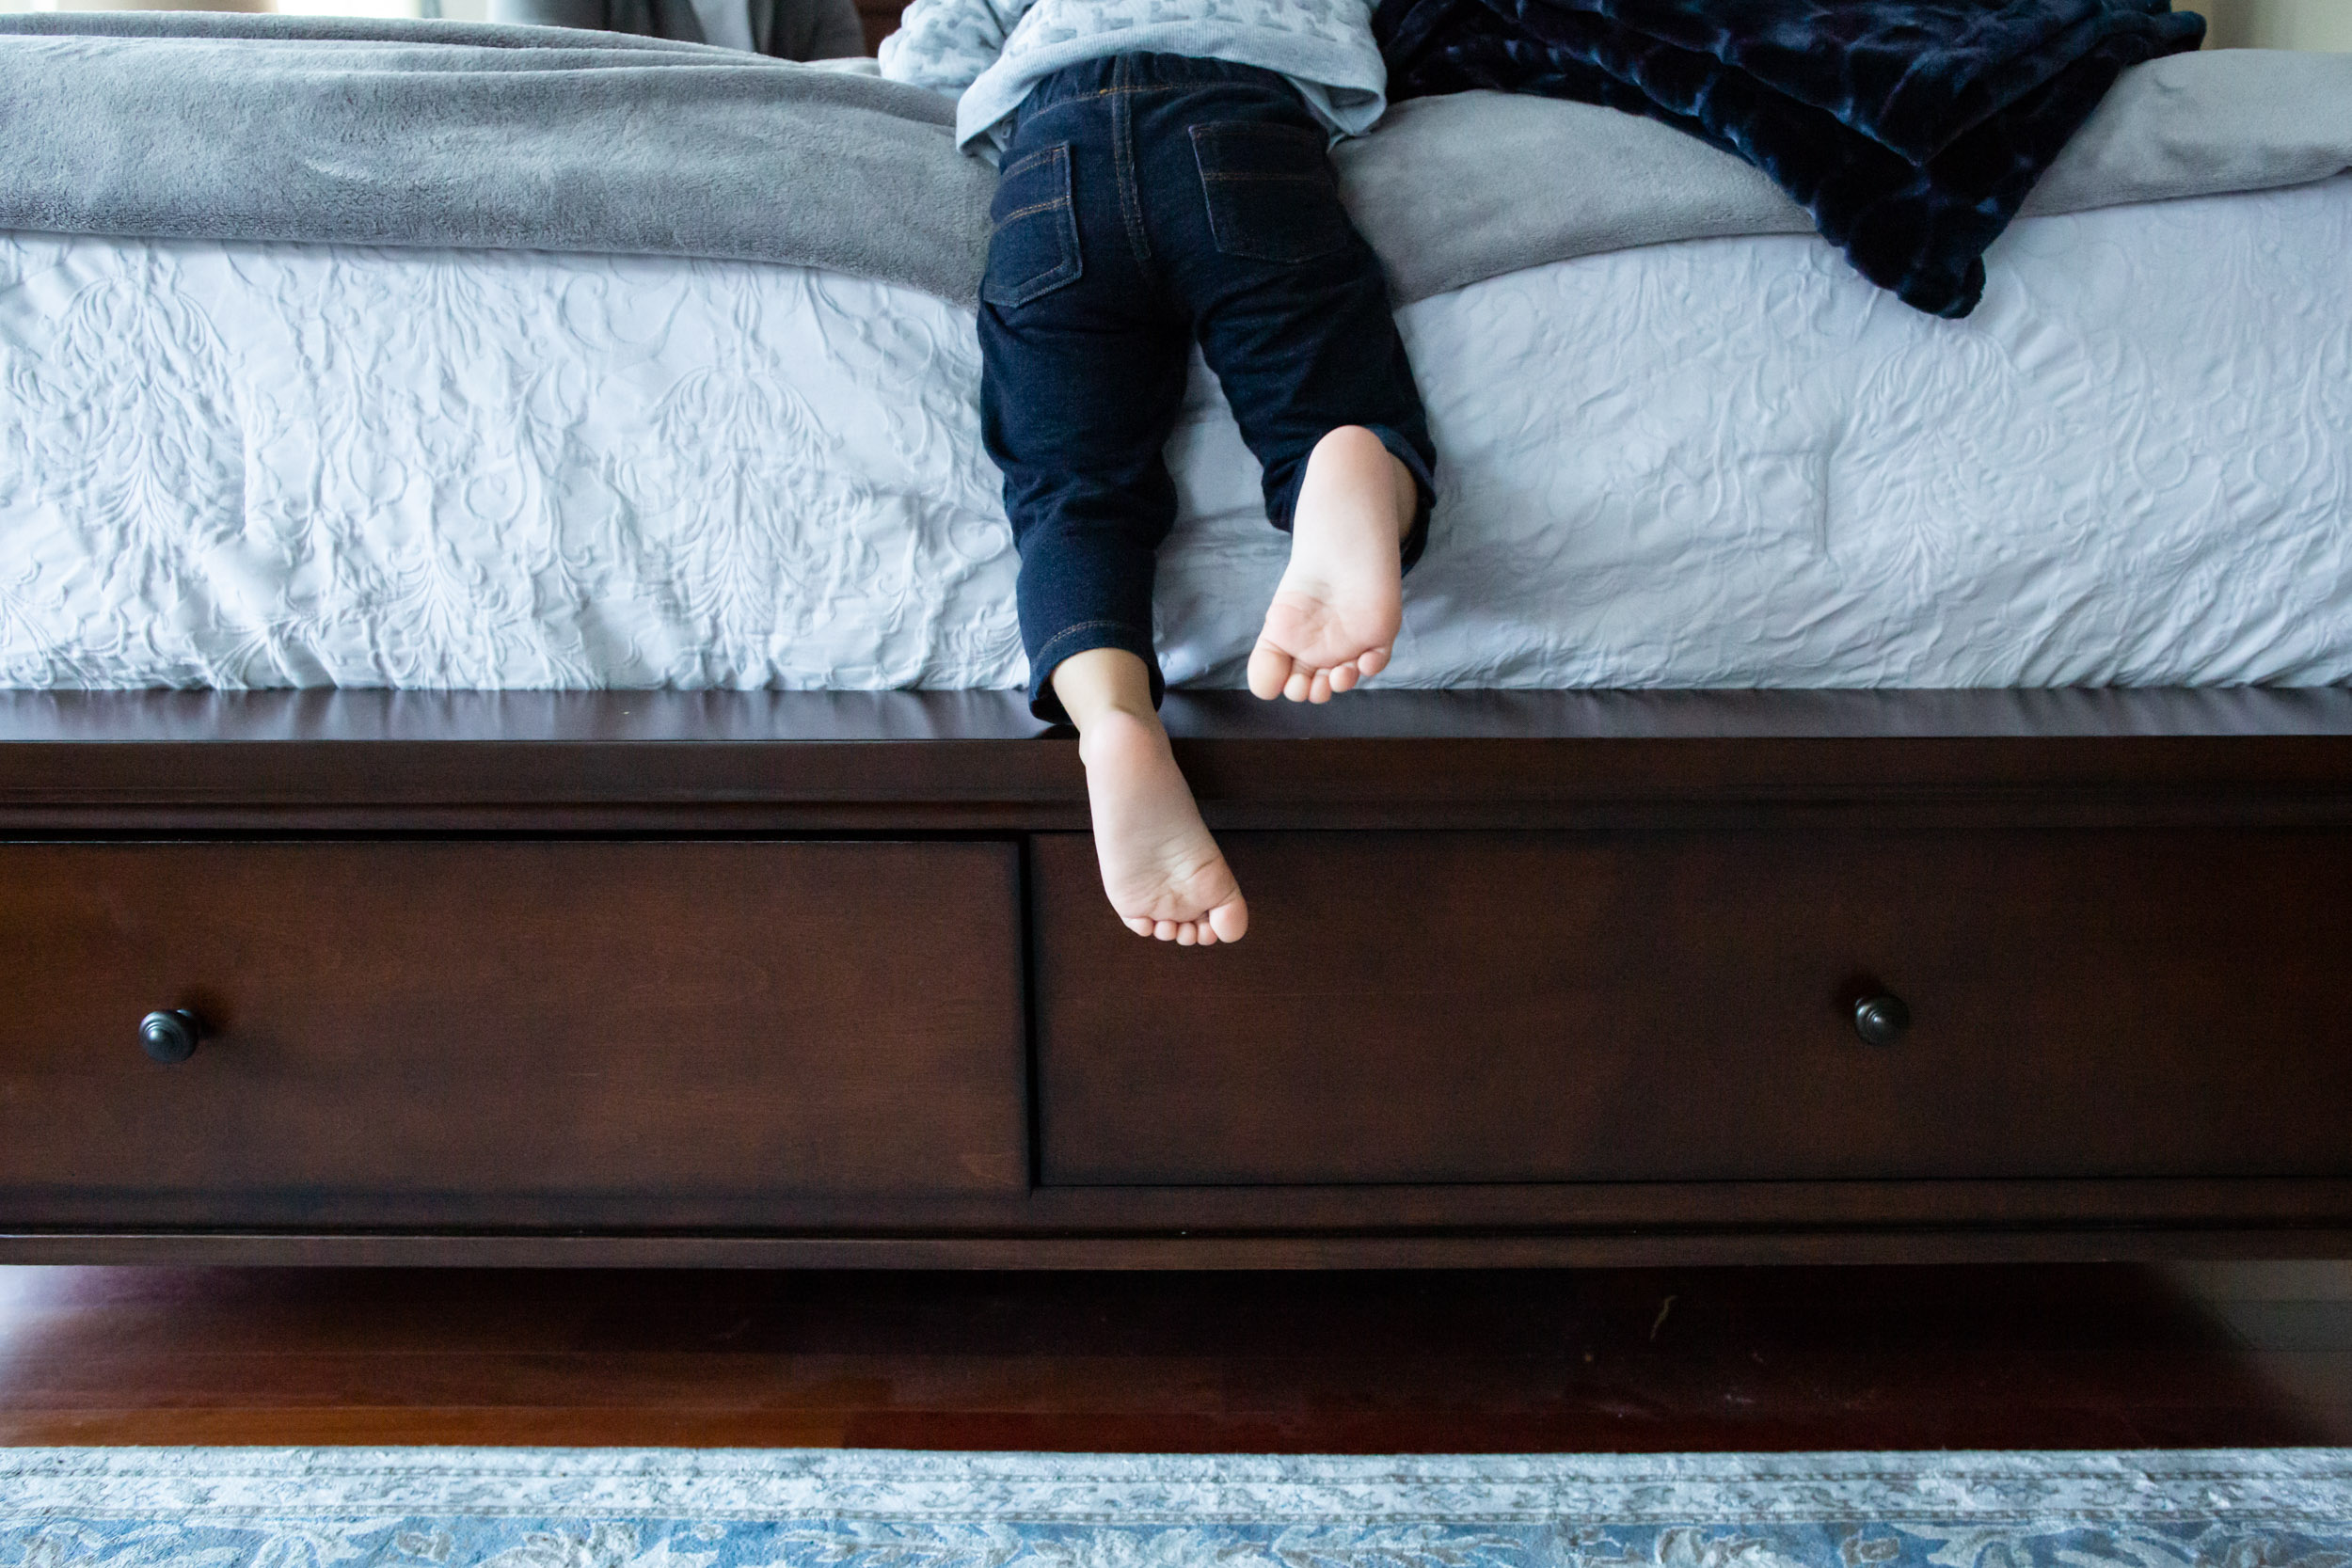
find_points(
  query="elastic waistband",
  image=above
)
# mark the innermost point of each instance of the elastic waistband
(1087, 78)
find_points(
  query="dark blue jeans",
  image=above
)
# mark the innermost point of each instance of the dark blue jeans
(1147, 200)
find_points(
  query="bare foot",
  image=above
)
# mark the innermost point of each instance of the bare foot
(1337, 609)
(1164, 873)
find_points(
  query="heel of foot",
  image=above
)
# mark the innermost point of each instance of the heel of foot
(1162, 871)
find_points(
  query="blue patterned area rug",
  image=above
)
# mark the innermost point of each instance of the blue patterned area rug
(605, 1508)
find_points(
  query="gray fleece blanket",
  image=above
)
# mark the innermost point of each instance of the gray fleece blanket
(226, 126)
(240, 127)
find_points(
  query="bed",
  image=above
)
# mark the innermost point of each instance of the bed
(517, 756)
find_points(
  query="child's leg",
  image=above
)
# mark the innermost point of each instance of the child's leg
(1083, 362)
(1336, 612)
(1160, 867)
(1291, 311)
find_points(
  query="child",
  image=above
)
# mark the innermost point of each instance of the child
(1164, 177)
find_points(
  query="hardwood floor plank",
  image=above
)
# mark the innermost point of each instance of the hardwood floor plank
(583, 1426)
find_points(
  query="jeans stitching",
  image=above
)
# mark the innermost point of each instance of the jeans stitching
(1226, 231)
(1264, 128)
(1041, 155)
(1083, 626)
(1044, 664)
(1036, 288)
(1056, 160)
(1123, 156)
(1028, 212)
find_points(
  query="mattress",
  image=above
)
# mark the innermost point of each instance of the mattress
(1724, 462)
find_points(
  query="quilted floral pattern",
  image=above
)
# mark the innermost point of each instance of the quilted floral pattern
(282, 466)
(1713, 463)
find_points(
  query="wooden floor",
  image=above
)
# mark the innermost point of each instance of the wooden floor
(1617, 1360)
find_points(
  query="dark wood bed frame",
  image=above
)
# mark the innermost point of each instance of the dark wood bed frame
(827, 979)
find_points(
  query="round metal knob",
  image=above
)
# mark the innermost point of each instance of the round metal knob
(170, 1036)
(1881, 1020)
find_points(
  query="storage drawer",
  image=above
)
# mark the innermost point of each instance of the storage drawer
(502, 1031)
(1623, 1006)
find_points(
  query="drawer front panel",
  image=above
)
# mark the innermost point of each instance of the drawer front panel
(1441, 1008)
(675, 1021)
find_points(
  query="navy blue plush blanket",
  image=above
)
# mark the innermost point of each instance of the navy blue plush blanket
(1911, 129)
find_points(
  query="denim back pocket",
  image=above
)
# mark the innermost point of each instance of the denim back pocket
(1032, 229)
(1272, 194)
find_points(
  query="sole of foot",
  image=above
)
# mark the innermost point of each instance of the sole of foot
(1164, 873)
(1337, 611)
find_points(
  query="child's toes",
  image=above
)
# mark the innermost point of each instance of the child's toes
(1140, 924)
(1320, 689)
(1229, 920)
(1269, 667)
(1344, 677)
(1300, 681)
(1371, 662)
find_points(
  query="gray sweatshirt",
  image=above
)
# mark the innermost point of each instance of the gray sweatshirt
(990, 52)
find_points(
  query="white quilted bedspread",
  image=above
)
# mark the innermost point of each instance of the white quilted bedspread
(1715, 463)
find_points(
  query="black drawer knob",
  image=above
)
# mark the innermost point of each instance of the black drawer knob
(170, 1036)
(1881, 1020)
